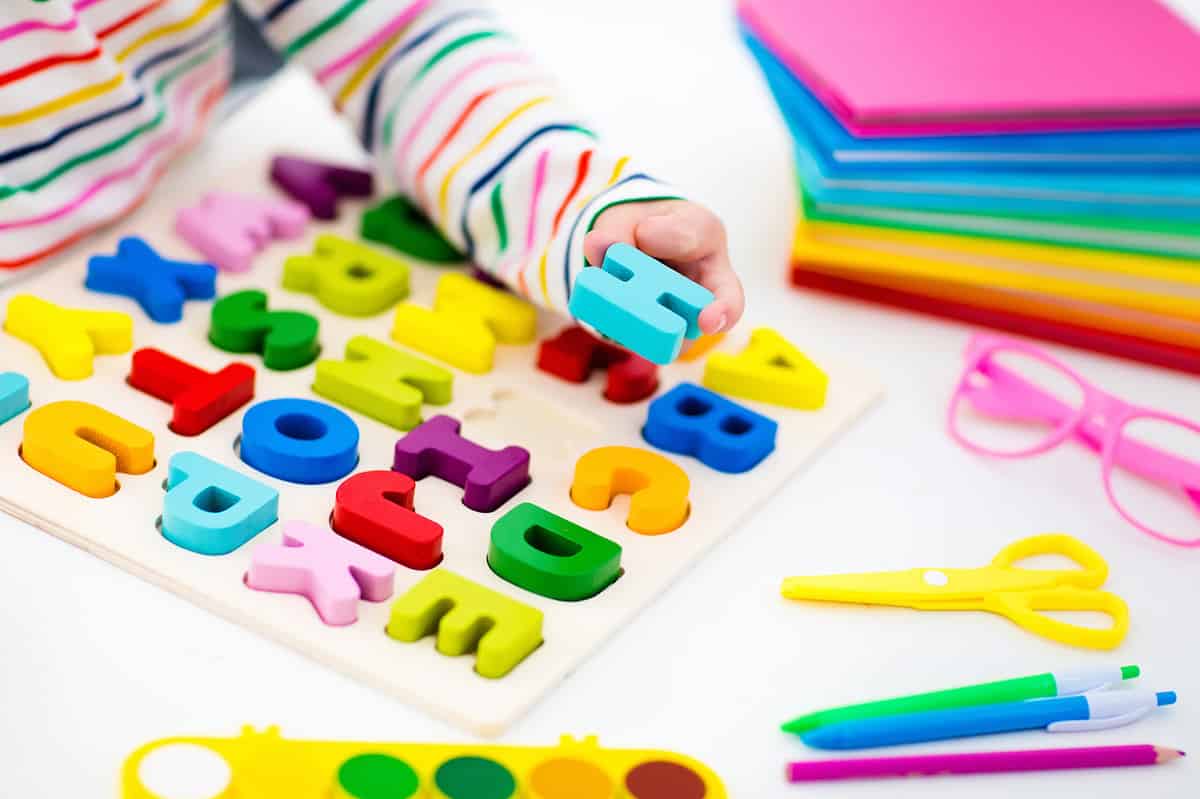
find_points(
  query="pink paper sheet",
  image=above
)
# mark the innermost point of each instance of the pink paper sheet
(926, 67)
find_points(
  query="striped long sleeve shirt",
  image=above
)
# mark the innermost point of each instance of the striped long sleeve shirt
(97, 96)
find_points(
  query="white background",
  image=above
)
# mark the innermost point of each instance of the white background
(94, 662)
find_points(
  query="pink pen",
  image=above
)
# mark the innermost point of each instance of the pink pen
(981, 763)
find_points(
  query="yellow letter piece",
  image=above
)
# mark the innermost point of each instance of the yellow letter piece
(83, 446)
(467, 616)
(68, 338)
(467, 320)
(511, 319)
(770, 370)
(658, 488)
(347, 277)
(458, 338)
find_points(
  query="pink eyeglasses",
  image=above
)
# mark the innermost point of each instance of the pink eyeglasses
(1014, 400)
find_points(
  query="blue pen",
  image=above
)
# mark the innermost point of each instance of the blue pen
(1098, 711)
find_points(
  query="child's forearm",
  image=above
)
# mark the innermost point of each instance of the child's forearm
(461, 120)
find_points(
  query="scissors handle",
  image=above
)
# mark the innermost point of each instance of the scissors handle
(1023, 607)
(1092, 571)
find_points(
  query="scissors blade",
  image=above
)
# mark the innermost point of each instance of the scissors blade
(899, 588)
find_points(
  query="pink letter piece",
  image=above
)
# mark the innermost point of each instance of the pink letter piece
(230, 229)
(333, 572)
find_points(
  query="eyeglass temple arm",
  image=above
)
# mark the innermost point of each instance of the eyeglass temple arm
(1013, 397)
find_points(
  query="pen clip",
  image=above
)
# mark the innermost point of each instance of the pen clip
(1108, 723)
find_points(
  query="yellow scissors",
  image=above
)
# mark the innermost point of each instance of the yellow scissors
(1002, 588)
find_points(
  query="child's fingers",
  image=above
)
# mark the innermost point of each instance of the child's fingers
(686, 236)
(597, 242)
(692, 238)
(686, 233)
(714, 318)
(616, 224)
(717, 276)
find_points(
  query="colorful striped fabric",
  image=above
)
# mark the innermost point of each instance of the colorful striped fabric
(97, 96)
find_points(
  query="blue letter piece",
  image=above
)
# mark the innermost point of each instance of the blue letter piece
(640, 303)
(212, 510)
(299, 440)
(14, 395)
(160, 286)
(725, 436)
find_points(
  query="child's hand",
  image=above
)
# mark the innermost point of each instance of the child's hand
(685, 236)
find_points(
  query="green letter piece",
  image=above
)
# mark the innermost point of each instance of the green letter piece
(467, 616)
(384, 383)
(347, 277)
(242, 323)
(400, 224)
(552, 556)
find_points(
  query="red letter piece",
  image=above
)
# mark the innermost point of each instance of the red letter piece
(375, 510)
(199, 399)
(574, 353)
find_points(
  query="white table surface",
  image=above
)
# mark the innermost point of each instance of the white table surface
(93, 661)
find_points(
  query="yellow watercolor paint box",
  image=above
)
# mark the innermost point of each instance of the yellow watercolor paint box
(264, 765)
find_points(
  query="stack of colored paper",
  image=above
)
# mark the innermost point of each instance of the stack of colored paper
(1027, 165)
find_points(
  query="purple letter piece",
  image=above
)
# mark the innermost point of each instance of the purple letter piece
(319, 185)
(489, 478)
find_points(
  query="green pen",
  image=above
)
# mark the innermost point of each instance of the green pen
(989, 693)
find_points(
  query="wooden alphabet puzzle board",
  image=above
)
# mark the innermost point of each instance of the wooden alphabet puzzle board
(513, 404)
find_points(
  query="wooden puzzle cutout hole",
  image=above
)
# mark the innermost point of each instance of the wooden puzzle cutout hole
(693, 406)
(184, 771)
(735, 425)
(551, 543)
(300, 426)
(515, 417)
